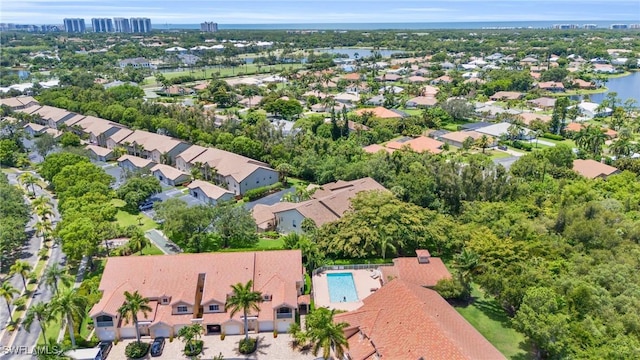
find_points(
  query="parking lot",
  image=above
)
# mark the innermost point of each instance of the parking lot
(268, 348)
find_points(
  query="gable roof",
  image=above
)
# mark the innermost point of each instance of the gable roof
(331, 201)
(461, 136)
(230, 164)
(409, 269)
(19, 101)
(168, 171)
(212, 191)
(380, 112)
(191, 152)
(419, 144)
(177, 276)
(151, 141)
(136, 161)
(375, 148)
(425, 326)
(593, 169)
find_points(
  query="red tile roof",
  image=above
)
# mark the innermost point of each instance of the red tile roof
(407, 321)
(380, 112)
(419, 145)
(593, 169)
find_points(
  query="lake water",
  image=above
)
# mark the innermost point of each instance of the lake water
(627, 87)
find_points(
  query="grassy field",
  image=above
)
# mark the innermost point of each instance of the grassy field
(494, 154)
(223, 72)
(568, 142)
(125, 218)
(486, 315)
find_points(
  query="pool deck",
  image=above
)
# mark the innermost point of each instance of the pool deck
(362, 279)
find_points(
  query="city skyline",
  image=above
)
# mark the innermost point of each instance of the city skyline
(313, 11)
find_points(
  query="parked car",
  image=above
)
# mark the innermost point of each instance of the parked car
(502, 147)
(157, 346)
(105, 348)
(148, 204)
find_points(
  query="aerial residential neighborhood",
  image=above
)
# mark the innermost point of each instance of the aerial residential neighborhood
(326, 187)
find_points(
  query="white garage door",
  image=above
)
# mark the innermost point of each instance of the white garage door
(232, 329)
(106, 335)
(162, 331)
(283, 327)
(127, 333)
(266, 326)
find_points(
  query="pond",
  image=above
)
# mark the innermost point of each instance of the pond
(627, 87)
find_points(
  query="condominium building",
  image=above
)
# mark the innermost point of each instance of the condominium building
(121, 25)
(74, 25)
(102, 25)
(209, 26)
(140, 25)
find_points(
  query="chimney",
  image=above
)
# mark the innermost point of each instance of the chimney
(423, 256)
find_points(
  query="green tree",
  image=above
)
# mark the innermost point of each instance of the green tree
(69, 305)
(138, 242)
(28, 180)
(244, 299)
(484, 142)
(41, 313)
(190, 334)
(45, 143)
(55, 274)
(7, 291)
(325, 334)
(134, 304)
(23, 269)
(69, 139)
(54, 163)
(9, 151)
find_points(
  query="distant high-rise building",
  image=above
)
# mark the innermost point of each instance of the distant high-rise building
(74, 25)
(209, 26)
(122, 25)
(140, 25)
(619, 26)
(102, 25)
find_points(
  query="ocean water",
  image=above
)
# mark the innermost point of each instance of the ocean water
(400, 26)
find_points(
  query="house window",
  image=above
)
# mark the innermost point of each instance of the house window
(214, 307)
(293, 222)
(266, 297)
(181, 309)
(165, 300)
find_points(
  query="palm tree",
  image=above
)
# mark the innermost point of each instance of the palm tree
(244, 299)
(23, 268)
(27, 180)
(41, 201)
(43, 212)
(133, 304)
(484, 142)
(326, 334)
(284, 169)
(54, 274)
(138, 242)
(40, 312)
(386, 243)
(7, 291)
(190, 335)
(69, 304)
(43, 228)
(467, 263)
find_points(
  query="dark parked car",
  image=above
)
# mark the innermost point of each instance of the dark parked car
(502, 147)
(148, 204)
(157, 346)
(105, 347)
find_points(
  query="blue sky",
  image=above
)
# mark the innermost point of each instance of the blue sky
(323, 11)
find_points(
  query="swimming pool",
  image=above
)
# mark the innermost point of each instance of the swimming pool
(342, 288)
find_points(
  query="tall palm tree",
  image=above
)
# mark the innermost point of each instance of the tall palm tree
(467, 263)
(43, 228)
(484, 142)
(55, 274)
(41, 201)
(44, 212)
(386, 242)
(40, 312)
(190, 335)
(27, 180)
(69, 305)
(325, 334)
(244, 299)
(23, 268)
(133, 304)
(7, 291)
(138, 242)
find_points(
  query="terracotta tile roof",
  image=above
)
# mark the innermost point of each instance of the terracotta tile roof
(583, 84)
(423, 253)
(423, 274)
(425, 326)
(136, 161)
(551, 85)
(593, 169)
(351, 77)
(168, 171)
(419, 145)
(209, 189)
(374, 148)
(460, 136)
(528, 117)
(273, 272)
(575, 127)
(380, 112)
(506, 95)
(429, 90)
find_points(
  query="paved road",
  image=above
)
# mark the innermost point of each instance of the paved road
(506, 162)
(42, 294)
(159, 240)
(270, 199)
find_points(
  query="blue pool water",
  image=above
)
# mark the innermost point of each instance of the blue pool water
(341, 287)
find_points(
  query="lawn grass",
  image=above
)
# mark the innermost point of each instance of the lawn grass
(223, 72)
(125, 218)
(495, 154)
(568, 142)
(270, 244)
(486, 315)
(151, 249)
